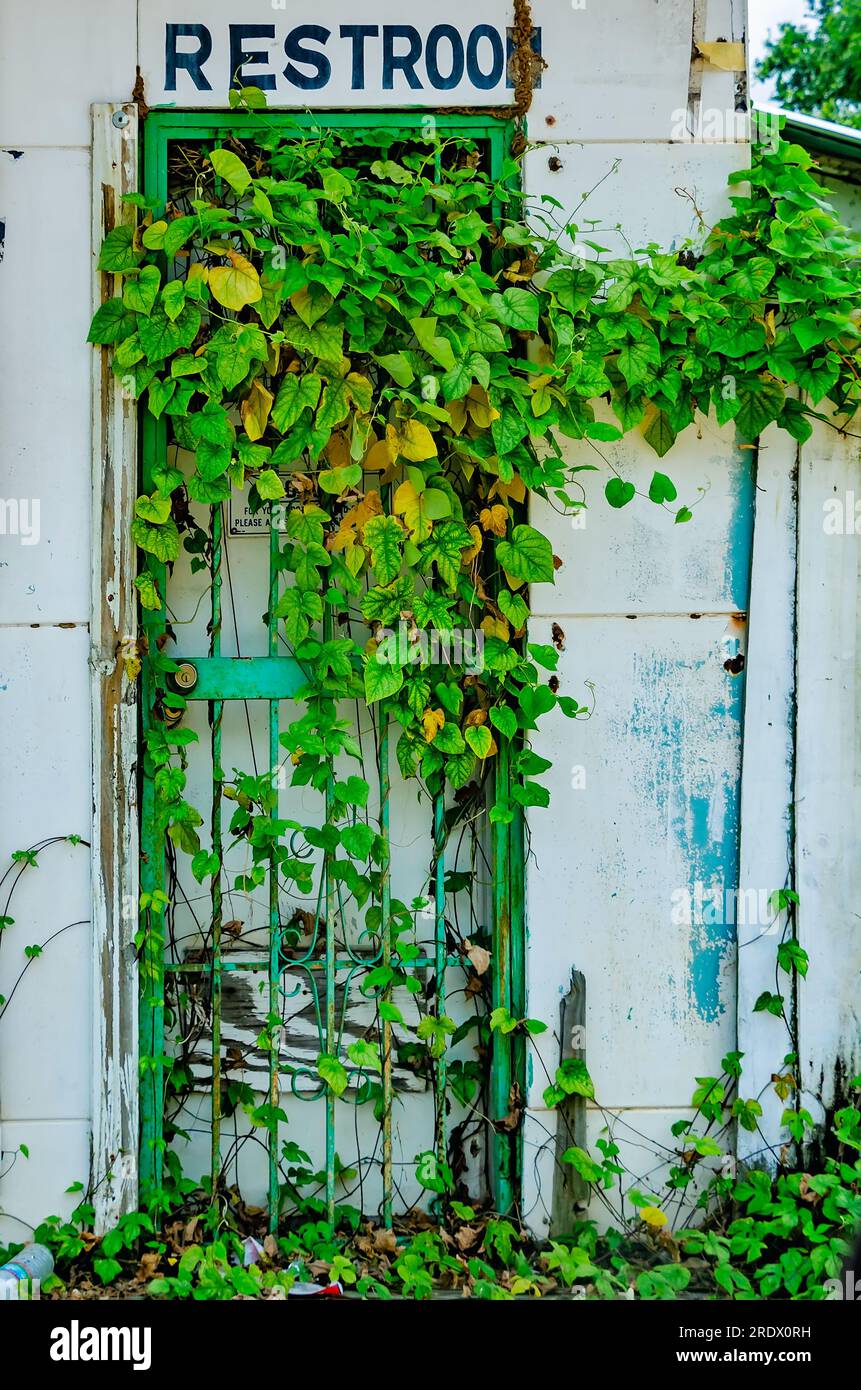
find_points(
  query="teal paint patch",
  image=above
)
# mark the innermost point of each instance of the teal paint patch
(739, 550)
(711, 940)
(694, 754)
(697, 787)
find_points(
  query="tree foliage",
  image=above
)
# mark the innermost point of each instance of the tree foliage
(819, 73)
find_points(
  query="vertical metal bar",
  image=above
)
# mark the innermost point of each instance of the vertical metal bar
(517, 899)
(439, 961)
(217, 778)
(274, 916)
(152, 880)
(330, 1041)
(500, 1079)
(331, 1033)
(151, 1016)
(386, 927)
(508, 1062)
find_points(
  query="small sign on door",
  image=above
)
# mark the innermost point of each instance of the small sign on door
(241, 520)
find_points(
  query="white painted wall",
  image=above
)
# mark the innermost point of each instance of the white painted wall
(828, 773)
(662, 752)
(79, 53)
(843, 190)
(645, 793)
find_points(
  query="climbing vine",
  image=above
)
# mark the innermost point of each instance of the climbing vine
(341, 317)
(397, 350)
(402, 351)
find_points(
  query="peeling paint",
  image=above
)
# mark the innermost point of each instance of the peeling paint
(115, 839)
(687, 767)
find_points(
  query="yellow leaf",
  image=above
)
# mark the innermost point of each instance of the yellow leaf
(369, 506)
(495, 519)
(235, 285)
(432, 721)
(457, 414)
(495, 627)
(515, 491)
(653, 1216)
(344, 537)
(354, 558)
(523, 1285)
(784, 1084)
(337, 451)
(467, 556)
(769, 325)
(255, 410)
(131, 660)
(362, 391)
(311, 307)
(353, 522)
(377, 458)
(521, 271)
(540, 383)
(198, 271)
(475, 717)
(408, 504)
(413, 441)
(481, 411)
(404, 498)
(392, 443)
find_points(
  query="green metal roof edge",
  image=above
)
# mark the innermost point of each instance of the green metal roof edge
(825, 137)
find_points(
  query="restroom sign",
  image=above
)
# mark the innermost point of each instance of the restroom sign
(333, 54)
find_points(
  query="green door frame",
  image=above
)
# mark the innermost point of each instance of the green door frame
(273, 678)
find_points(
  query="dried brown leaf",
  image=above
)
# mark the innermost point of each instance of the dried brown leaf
(479, 957)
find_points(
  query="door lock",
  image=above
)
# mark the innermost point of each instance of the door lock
(185, 676)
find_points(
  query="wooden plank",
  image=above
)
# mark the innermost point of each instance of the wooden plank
(570, 1190)
(244, 1011)
(828, 767)
(765, 849)
(114, 710)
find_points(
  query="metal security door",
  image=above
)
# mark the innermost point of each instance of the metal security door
(257, 974)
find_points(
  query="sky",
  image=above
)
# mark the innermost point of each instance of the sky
(764, 18)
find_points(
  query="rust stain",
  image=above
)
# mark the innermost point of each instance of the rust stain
(524, 68)
(139, 98)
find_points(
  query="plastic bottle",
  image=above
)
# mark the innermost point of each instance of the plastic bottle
(33, 1262)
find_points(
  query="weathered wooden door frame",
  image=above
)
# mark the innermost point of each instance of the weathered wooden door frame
(114, 703)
